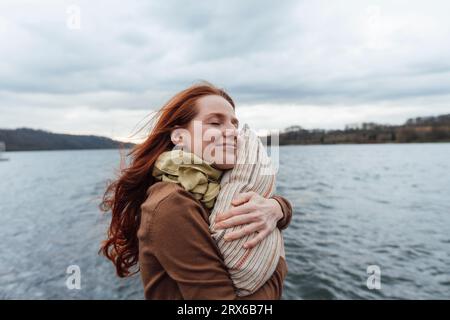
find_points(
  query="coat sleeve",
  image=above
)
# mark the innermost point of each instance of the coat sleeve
(185, 249)
(287, 212)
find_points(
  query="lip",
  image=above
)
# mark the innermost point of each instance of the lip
(228, 146)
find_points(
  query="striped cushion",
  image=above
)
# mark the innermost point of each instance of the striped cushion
(249, 268)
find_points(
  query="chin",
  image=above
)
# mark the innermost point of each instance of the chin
(224, 166)
(227, 161)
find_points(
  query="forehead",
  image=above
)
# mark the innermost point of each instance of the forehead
(214, 104)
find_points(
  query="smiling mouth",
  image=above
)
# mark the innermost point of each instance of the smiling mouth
(228, 146)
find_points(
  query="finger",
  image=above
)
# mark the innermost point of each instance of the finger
(235, 221)
(242, 198)
(235, 211)
(248, 229)
(257, 239)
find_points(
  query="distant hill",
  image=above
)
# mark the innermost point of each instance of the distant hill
(25, 139)
(420, 129)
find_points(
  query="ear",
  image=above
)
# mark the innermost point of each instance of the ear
(176, 136)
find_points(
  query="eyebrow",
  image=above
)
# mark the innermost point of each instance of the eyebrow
(221, 116)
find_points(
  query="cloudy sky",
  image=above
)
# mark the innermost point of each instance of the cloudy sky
(102, 68)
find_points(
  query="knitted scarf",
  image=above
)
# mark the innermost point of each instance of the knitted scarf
(254, 171)
(192, 172)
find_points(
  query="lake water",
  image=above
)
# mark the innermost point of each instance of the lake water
(354, 206)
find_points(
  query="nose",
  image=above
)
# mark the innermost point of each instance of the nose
(230, 135)
(231, 131)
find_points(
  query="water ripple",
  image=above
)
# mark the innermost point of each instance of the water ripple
(354, 206)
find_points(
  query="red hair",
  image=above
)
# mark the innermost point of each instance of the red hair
(124, 196)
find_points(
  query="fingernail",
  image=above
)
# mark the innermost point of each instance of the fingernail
(218, 226)
(245, 246)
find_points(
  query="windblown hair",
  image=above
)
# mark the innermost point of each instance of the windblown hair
(123, 197)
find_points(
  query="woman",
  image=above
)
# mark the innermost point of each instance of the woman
(163, 229)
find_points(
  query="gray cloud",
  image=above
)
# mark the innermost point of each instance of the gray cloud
(135, 55)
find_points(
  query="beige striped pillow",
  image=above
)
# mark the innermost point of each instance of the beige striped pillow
(254, 171)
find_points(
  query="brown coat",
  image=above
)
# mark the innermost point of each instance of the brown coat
(178, 258)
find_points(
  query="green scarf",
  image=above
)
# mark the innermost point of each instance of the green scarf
(192, 172)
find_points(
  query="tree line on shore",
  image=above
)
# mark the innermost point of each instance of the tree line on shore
(420, 129)
(25, 139)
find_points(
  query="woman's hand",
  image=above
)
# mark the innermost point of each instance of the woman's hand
(260, 214)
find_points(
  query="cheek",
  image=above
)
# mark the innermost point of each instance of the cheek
(211, 136)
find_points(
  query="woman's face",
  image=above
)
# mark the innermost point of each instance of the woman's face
(212, 134)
